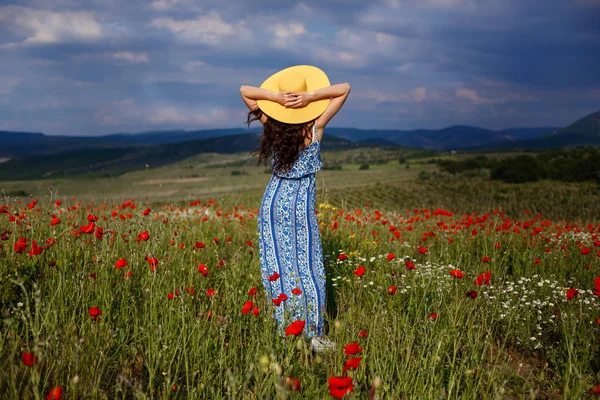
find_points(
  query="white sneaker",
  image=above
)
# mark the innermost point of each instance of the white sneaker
(320, 344)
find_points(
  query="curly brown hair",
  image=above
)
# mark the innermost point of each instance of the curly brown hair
(286, 141)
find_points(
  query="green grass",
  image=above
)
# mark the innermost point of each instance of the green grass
(148, 346)
(145, 343)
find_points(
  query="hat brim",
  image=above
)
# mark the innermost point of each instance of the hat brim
(315, 79)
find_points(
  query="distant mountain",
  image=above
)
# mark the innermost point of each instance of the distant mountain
(176, 136)
(528, 133)
(377, 141)
(111, 161)
(583, 132)
(452, 137)
(23, 144)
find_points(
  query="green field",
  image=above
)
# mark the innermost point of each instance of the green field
(387, 185)
(532, 331)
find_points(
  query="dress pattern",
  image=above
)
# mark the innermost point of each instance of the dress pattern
(290, 243)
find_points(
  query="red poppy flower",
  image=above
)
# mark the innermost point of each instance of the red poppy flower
(54, 393)
(392, 290)
(147, 211)
(432, 316)
(457, 273)
(249, 243)
(295, 328)
(143, 236)
(152, 262)
(292, 383)
(585, 250)
(28, 359)
(200, 245)
(247, 307)
(483, 279)
(572, 292)
(597, 286)
(121, 262)
(89, 228)
(255, 311)
(296, 291)
(422, 250)
(282, 297)
(190, 290)
(352, 349)
(342, 257)
(203, 269)
(595, 390)
(274, 277)
(339, 386)
(92, 218)
(390, 256)
(276, 302)
(95, 313)
(485, 259)
(363, 333)
(55, 220)
(210, 292)
(216, 240)
(35, 249)
(352, 363)
(360, 271)
(409, 265)
(472, 294)
(209, 314)
(252, 291)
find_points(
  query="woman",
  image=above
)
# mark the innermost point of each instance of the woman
(294, 105)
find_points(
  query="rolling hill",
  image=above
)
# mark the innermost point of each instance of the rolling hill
(25, 144)
(583, 132)
(111, 161)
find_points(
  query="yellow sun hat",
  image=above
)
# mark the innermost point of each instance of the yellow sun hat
(298, 78)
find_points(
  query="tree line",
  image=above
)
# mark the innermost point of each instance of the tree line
(570, 165)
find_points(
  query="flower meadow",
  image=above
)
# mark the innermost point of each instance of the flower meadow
(140, 300)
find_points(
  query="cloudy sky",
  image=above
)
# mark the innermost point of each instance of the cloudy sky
(103, 66)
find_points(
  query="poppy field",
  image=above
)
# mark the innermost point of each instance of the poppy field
(133, 299)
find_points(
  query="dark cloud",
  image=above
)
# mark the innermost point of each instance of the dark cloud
(104, 65)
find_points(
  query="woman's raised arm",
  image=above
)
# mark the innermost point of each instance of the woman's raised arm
(338, 94)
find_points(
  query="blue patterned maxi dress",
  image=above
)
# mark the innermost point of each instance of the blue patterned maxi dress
(290, 243)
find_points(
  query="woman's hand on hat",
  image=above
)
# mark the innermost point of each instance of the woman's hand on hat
(297, 100)
(285, 97)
